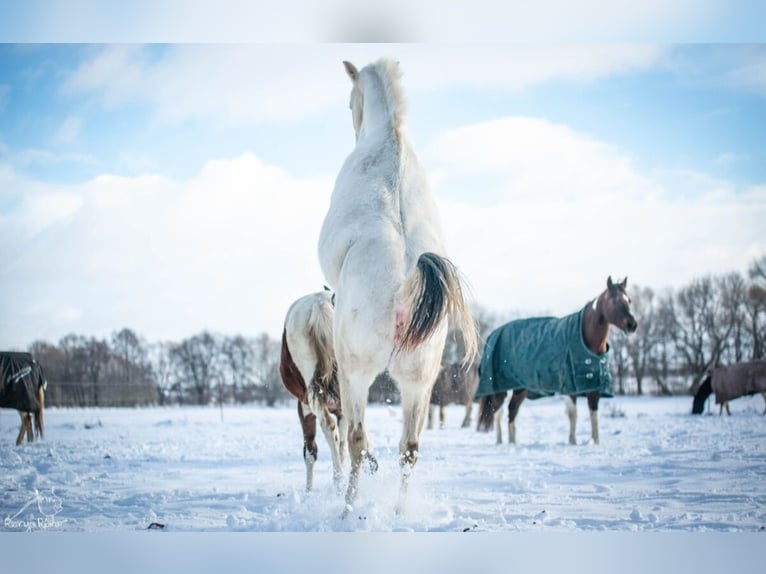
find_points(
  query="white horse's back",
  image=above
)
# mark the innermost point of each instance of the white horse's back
(382, 251)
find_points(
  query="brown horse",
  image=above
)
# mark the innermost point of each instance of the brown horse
(22, 387)
(309, 372)
(528, 348)
(454, 385)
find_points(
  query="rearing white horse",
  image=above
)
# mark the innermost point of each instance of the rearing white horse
(381, 249)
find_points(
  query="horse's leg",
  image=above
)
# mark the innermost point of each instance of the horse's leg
(763, 394)
(499, 423)
(30, 429)
(571, 406)
(467, 418)
(342, 437)
(310, 450)
(415, 396)
(593, 408)
(22, 429)
(430, 424)
(517, 398)
(441, 415)
(354, 389)
(330, 430)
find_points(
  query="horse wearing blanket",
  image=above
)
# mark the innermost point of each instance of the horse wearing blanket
(545, 356)
(382, 252)
(731, 382)
(22, 387)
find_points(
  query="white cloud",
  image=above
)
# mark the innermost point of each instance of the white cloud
(230, 248)
(235, 84)
(33, 156)
(748, 71)
(226, 250)
(567, 211)
(68, 131)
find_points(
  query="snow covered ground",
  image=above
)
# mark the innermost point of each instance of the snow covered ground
(657, 469)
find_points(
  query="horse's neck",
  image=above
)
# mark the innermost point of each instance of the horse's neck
(595, 328)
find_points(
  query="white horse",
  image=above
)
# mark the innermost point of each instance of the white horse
(309, 372)
(381, 250)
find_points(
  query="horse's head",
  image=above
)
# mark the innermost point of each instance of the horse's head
(616, 305)
(377, 94)
(357, 97)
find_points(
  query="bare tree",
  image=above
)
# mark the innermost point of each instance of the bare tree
(755, 308)
(639, 347)
(266, 371)
(238, 361)
(732, 290)
(163, 371)
(703, 326)
(196, 361)
(665, 326)
(619, 354)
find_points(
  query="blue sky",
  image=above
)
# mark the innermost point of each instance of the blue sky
(178, 187)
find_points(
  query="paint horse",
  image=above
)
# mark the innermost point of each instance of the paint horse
(381, 250)
(455, 385)
(309, 372)
(544, 356)
(22, 387)
(729, 383)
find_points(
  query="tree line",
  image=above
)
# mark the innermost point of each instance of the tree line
(713, 320)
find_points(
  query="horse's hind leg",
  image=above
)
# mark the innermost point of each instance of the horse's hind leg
(593, 399)
(517, 398)
(431, 409)
(763, 394)
(467, 418)
(354, 390)
(442, 419)
(330, 430)
(414, 405)
(499, 424)
(571, 406)
(26, 428)
(342, 437)
(310, 450)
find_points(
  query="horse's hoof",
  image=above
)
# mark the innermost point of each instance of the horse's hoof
(372, 464)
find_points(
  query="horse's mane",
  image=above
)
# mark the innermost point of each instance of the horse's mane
(390, 75)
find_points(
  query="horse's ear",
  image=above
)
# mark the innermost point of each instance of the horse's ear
(351, 70)
(609, 284)
(624, 283)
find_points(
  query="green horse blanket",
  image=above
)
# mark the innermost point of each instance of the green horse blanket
(546, 355)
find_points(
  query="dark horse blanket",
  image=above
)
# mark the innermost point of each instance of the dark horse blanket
(734, 381)
(546, 355)
(20, 378)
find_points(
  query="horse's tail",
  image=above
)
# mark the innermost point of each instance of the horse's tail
(488, 406)
(434, 291)
(39, 412)
(321, 340)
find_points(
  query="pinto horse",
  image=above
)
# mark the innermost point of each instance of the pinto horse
(455, 385)
(22, 387)
(309, 372)
(381, 250)
(544, 356)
